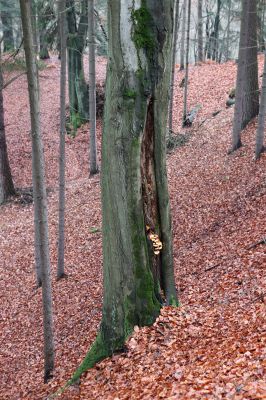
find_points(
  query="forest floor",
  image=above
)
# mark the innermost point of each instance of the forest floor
(214, 345)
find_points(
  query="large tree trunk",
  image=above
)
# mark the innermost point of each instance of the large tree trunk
(78, 92)
(262, 113)
(6, 183)
(92, 98)
(247, 90)
(172, 86)
(61, 206)
(39, 189)
(183, 35)
(200, 34)
(138, 273)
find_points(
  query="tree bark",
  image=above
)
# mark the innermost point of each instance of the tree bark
(172, 86)
(78, 92)
(228, 32)
(261, 118)
(39, 189)
(7, 25)
(183, 35)
(61, 219)
(187, 64)
(138, 276)
(200, 34)
(247, 90)
(6, 182)
(92, 85)
(215, 36)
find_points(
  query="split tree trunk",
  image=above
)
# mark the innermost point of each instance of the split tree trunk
(78, 92)
(247, 89)
(6, 182)
(135, 201)
(61, 219)
(92, 96)
(262, 113)
(39, 189)
(200, 34)
(172, 86)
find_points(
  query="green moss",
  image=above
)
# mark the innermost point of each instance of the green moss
(173, 302)
(143, 35)
(130, 94)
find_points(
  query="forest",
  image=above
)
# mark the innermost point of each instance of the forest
(132, 199)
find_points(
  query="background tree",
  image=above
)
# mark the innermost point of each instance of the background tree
(77, 33)
(39, 189)
(92, 94)
(61, 206)
(247, 90)
(6, 182)
(187, 63)
(183, 35)
(6, 11)
(137, 241)
(261, 119)
(200, 33)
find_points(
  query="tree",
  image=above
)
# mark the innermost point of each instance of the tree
(261, 119)
(92, 85)
(187, 58)
(172, 86)
(247, 90)
(137, 241)
(215, 33)
(183, 34)
(61, 218)
(6, 182)
(77, 87)
(7, 24)
(39, 189)
(200, 34)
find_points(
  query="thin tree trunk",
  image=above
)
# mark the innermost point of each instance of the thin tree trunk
(6, 182)
(183, 35)
(39, 189)
(135, 199)
(261, 118)
(61, 225)
(187, 64)
(7, 26)
(200, 34)
(34, 25)
(215, 37)
(172, 86)
(228, 32)
(92, 85)
(247, 92)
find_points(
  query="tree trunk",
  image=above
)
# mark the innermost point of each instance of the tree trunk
(6, 183)
(247, 91)
(183, 34)
(215, 36)
(7, 26)
(92, 85)
(172, 86)
(61, 219)
(200, 35)
(262, 112)
(187, 65)
(228, 32)
(138, 273)
(39, 189)
(261, 10)
(34, 25)
(78, 92)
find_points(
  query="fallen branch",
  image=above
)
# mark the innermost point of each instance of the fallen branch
(262, 241)
(212, 267)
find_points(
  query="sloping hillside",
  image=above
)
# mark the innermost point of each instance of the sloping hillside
(214, 345)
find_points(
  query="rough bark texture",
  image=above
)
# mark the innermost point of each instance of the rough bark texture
(6, 183)
(39, 189)
(187, 66)
(200, 34)
(262, 113)
(247, 90)
(183, 35)
(92, 95)
(78, 93)
(172, 86)
(61, 207)
(135, 199)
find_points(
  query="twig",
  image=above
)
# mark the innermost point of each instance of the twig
(212, 267)
(262, 241)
